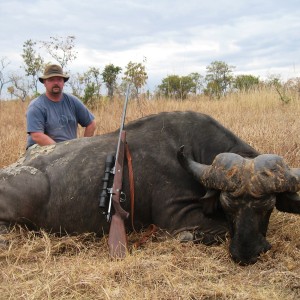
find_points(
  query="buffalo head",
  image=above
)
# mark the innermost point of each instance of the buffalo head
(249, 190)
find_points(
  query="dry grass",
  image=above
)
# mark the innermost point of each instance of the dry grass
(42, 266)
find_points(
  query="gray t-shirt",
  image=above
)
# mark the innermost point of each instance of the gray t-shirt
(59, 120)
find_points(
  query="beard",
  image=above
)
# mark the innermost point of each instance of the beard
(56, 90)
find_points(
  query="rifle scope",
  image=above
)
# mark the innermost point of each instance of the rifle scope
(109, 163)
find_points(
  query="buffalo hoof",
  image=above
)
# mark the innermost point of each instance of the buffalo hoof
(4, 245)
(185, 236)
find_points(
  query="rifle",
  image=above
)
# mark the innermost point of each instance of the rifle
(117, 239)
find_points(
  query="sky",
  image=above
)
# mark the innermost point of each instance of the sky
(261, 38)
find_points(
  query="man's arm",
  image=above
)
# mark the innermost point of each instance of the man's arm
(90, 129)
(41, 138)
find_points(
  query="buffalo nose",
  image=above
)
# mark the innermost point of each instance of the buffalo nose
(244, 261)
(249, 258)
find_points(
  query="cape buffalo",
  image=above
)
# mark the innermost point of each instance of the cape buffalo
(215, 184)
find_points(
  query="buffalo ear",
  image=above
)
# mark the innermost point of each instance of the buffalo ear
(210, 202)
(288, 202)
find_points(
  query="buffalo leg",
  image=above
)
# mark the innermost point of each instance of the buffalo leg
(4, 229)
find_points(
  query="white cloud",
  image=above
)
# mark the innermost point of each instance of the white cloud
(176, 37)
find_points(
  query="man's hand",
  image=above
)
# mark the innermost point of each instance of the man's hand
(90, 129)
(41, 138)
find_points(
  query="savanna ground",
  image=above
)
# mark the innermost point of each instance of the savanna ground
(42, 266)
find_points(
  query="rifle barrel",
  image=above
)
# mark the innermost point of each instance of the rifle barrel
(123, 118)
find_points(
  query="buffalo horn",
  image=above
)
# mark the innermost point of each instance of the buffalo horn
(272, 175)
(196, 169)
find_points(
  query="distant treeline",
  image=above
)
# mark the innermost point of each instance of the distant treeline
(217, 82)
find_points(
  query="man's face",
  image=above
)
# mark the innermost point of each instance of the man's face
(54, 85)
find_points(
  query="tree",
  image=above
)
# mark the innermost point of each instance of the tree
(61, 49)
(274, 81)
(92, 83)
(187, 86)
(245, 82)
(170, 86)
(219, 79)
(293, 84)
(177, 87)
(4, 62)
(198, 81)
(135, 73)
(33, 63)
(109, 76)
(76, 82)
(87, 85)
(20, 87)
